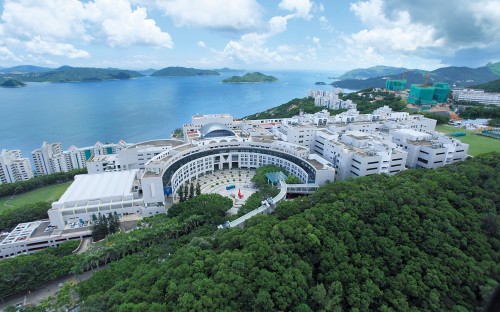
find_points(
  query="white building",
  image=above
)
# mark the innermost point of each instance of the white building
(106, 193)
(50, 158)
(30, 237)
(14, 167)
(355, 154)
(474, 95)
(429, 150)
(330, 99)
(134, 156)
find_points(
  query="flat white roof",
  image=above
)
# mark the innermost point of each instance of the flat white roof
(99, 186)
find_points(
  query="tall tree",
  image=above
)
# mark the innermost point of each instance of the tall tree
(191, 190)
(198, 188)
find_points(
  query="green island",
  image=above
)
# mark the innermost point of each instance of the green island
(176, 71)
(76, 74)
(421, 240)
(12, 83)
(250, 77)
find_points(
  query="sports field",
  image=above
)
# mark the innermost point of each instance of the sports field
(477, 144)
(51, 192)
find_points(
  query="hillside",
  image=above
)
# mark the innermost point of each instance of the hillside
(76, 74)
(183, 71)
(371, 72)
(422, 240)
(250, 77)
(453, 75)
(290, 109)
(11, 83)
(492, 86)
(26, 69)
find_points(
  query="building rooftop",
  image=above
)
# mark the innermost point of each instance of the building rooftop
(157, 143)
(99, 186)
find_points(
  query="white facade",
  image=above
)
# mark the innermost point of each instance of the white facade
(30, 237)
(105, 193)
(14, 167)
(330, 99)
(355, 154)
(51, 158)
(479, 96)
(429, 150)
(133, 157)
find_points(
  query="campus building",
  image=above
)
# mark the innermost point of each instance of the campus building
(51, 158)
(14, 167)
(474, 95)
(429, 149)
(106, 193)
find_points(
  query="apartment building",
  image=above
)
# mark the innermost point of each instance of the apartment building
(14, 167)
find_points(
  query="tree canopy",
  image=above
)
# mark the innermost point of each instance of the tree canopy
(422, 240)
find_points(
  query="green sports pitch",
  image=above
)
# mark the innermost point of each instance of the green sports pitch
(477, 144)
(47, 193)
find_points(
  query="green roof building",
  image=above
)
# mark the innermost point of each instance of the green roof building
(428, 95)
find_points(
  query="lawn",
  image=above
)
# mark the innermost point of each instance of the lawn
(51, 192)
(477, 144)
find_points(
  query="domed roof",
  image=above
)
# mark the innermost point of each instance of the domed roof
(213, 130)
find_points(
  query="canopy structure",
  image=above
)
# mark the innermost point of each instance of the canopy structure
(275, 177)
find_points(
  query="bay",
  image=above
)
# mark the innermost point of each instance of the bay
(135, 110)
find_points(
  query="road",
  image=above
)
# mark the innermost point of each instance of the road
(50, 289)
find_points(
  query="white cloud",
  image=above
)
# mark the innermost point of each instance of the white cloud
(216, 14)
(121, 26)
(386, 40)
(58, 19)
(7, 55)
(40, 46)
(57, 27)
(325, 24)
(301, 8)
(315, 40)
(202, 44)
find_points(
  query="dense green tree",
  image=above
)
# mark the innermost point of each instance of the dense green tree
(291, 179)
(191, 190)
(181, 194)
(198, 188)
(422, 240)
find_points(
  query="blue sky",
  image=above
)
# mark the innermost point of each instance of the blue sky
(249, 34)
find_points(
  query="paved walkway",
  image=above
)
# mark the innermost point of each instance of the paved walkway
(216, 184)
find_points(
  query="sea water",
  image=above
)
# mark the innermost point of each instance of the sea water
(146, 108)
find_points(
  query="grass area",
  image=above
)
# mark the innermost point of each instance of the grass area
(477, 144)
(51, 192)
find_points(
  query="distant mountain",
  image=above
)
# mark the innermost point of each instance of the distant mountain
(21, 69)
(453, 75)
(372, 72)
(75, 74)
(183, 71)
(492, 86)
(148, 72)
(228, 70)
(250, 77)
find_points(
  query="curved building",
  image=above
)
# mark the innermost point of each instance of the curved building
(168, 171)
(214, 130)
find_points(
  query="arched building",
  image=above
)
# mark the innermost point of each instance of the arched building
(168, 171)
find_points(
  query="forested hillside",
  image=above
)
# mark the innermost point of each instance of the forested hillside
(422, 240)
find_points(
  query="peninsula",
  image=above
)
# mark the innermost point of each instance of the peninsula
(250, 77)
(12, 83)
(183, 71)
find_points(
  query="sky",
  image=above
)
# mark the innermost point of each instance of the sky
(250, 34)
